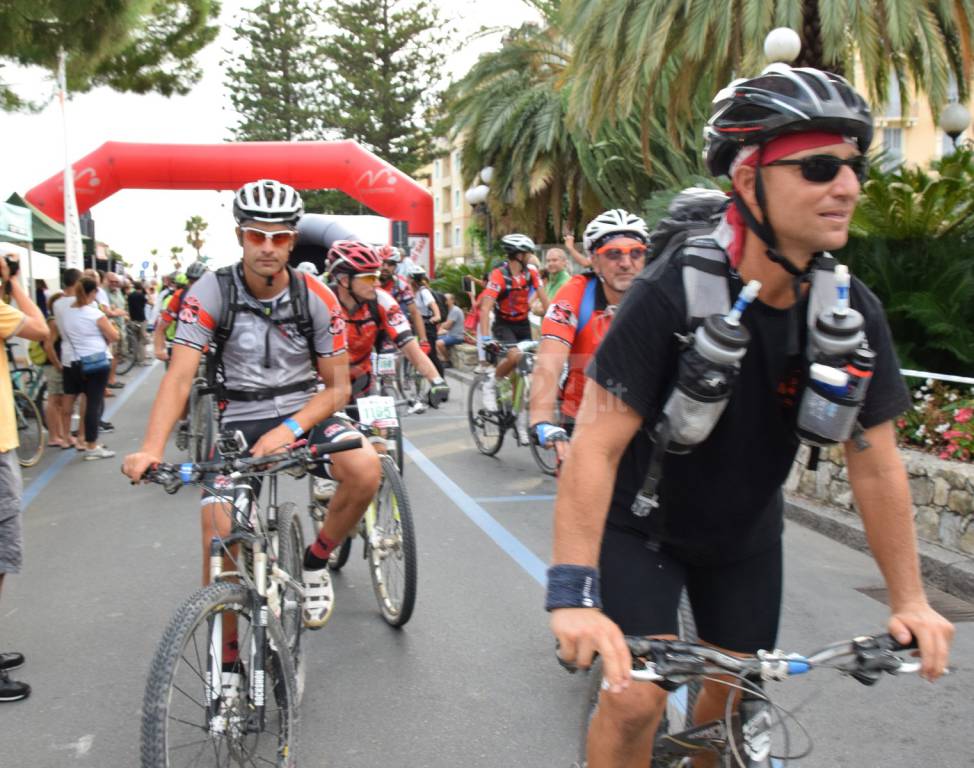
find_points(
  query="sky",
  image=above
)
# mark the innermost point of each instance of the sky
(133, 222)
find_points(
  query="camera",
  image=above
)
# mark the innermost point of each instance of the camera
(13, 264)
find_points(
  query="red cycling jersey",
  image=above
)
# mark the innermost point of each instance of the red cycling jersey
(366, 326)
(399, 289)
(561, 323)
(511, 291)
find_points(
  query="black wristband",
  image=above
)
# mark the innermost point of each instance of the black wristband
(572, 586)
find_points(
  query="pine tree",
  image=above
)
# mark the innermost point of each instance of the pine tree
(275, 82)
(386, 60)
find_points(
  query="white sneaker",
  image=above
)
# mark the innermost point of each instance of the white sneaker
(489, 392)
(324, 488)
(101, 452)
(417, 407)
(319, 598)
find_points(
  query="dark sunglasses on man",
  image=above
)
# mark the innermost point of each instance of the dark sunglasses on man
(820, 169)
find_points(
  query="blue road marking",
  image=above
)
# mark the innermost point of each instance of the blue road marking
(520, 554)
(40, 482)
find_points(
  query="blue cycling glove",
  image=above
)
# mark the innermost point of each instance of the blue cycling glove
(546, 434)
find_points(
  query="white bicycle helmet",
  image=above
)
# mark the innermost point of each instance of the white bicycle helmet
(517, 243)
(307, 266)
(267, 200)
(611, 223)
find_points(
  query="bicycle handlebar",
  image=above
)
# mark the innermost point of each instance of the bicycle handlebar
(670, 663)
(173, 476)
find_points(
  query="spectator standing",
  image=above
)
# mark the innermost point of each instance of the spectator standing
(118, 313)
(450, 330)
(90, 333)
(428, 309)
(28, 323)
(137, 301)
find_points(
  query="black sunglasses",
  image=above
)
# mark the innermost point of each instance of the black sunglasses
(822, 168)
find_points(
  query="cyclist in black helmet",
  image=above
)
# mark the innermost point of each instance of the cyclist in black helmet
(636, 523)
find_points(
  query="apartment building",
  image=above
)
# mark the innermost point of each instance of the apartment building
(452, 214)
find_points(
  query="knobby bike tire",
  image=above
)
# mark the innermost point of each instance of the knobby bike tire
(677, 716)
(30, 430)
(410, 381)
(390, 548)
(488, 436)
(40, 400)
(545, 458)
(288, 542)
(201, 425)
(125, 358)
(390, 391)
(390, 388)
(162, 745)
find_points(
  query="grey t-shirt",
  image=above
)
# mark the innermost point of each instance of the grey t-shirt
(456, 315)
(263, 352)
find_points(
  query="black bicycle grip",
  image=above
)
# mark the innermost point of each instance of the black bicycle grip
(886, 642)
(336, 446)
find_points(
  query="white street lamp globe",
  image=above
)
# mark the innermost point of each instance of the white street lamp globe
(954, 119)
(782, 44)
(487, 174)
(477, 195)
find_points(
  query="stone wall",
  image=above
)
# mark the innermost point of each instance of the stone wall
(943, 493)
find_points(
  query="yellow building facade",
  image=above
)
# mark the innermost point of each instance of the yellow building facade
(452, 214)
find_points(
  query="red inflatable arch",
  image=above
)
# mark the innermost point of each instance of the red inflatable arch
(340, 165)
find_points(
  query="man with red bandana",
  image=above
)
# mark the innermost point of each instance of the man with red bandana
(793, 142)
(577, 319)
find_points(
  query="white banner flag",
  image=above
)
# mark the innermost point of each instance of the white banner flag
(73, 249)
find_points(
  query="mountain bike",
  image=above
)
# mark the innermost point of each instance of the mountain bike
(29, 392)
(196, 432)
(388, 542)
(750, 737)
(387, 373)
(227, 677)
(489, 428)
(128, 343)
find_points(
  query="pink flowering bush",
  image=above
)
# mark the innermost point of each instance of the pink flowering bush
(941, 421)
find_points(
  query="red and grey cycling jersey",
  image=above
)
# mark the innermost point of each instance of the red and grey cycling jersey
(399, 289)
(368, 326)
(265, 349)
(561, 323)
(511, 291)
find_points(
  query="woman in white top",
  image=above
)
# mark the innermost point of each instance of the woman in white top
(428, 309)
(89, 332)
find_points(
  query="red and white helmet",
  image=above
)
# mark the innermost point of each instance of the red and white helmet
(389, 253)
(352, 257)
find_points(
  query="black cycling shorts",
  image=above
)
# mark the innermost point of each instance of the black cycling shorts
(328, 430)
(511, 333)
(736, 605)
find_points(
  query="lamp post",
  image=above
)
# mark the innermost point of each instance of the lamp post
(477, 197)
(782, 44)
(954, 120)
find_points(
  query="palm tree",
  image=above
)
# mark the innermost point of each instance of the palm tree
(678, 51)
(195, 226)
(176, 250)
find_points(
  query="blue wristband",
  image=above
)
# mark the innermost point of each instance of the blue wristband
(572, 586)
(293, 425)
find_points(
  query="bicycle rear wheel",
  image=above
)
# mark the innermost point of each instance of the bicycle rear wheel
(30, 430)
(485, 426)
(289, 545)
(390, 547)
(187, 721)
(410, 381)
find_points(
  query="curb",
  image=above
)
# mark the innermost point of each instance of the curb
(945, 569)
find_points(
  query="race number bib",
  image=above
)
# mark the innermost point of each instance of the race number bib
(386, 364)
(378, 411)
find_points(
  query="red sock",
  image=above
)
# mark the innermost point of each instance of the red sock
(323, 547)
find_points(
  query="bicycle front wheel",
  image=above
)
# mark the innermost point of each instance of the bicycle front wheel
(545, 458)
(189, 721)
(289, 545)
(485, 426)
(201, 421)
(30, 430)
(126, 353)
(390, 547)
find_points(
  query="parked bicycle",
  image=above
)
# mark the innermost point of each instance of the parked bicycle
(386, 529)
(30, 393)
(128, 345)
(489, 428)
(749, 737)
(202, 707)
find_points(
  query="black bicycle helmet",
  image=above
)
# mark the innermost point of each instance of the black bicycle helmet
(196, 270)
(783, 100)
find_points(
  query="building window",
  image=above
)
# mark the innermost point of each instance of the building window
(438, 240)
(456, 199)
(436, 204)
(446, 200)
(892, 148)
(436, 169)
(894, 107)
(446, 237)
(456, 161)
(456, 237)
